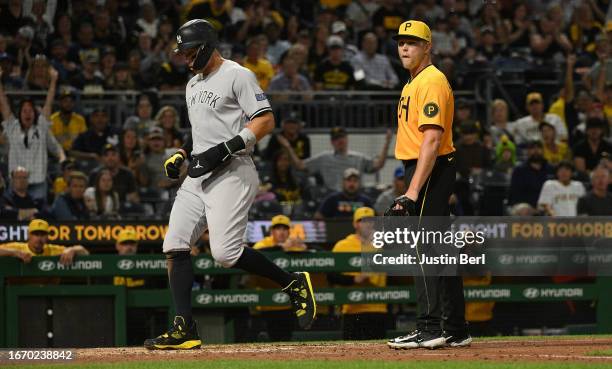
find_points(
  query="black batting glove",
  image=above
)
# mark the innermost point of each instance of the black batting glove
(173, 164)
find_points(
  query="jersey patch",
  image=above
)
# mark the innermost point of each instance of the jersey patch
(431, 110)
(261, 97)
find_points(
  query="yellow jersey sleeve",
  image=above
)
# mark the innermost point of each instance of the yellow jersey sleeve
(15, 246)
(430, 97)
(264, 244)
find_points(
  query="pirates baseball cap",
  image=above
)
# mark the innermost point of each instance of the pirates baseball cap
(281, 220)
(363, 212)
(38, 225)
(156, 132)
(533, 96)
(413, 28)
(109, 147)
(127, 235)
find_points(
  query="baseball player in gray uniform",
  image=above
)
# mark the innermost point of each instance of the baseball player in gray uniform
(229, 113)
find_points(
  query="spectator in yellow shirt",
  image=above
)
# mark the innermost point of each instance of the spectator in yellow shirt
(361, 321)
(38, 235)
(257, 64)
(127, 244)
(280, 320)
(554, 151)
(66, 125)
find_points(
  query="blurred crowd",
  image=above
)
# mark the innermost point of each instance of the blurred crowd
(63, 160)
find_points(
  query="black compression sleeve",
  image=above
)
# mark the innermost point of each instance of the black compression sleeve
(188, 145)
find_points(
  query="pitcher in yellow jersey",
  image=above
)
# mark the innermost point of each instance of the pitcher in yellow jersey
(425, 145)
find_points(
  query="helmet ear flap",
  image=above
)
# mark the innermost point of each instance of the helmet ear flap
(203, 55)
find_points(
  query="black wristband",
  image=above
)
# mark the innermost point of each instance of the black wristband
(235, 144)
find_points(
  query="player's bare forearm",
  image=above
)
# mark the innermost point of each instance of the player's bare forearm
(426, 161)
(79, 250)
(262, 125)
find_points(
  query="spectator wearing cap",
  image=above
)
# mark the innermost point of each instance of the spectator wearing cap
(374, 68)
(291, 128)
(342, 204)
(257, 63)
(167, 119)
(488, 48)
(18, 198)
(471, 154)
(66, 124)
(589, 152)
(554, 151)
(499, 123)
(361, 321)
(124, 182)
(37, 245)
(398, 188)
(527, 128)
(173, 74)
(61, 182)
(71, 204)
(59, 60)
(334, 73)
(22, 49)
(10, 77)
(598, 202)
(289, 79)
(89, 79)
(143, 121)
(331, 165)
(463, 112)
(338, 28)
(559, 197)
(528, 178)
(126, 245)
(280, 321)
(155, 156)
(29, 138)
(89, 144)
(101, 199)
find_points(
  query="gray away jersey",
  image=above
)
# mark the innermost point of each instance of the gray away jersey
(220, 104)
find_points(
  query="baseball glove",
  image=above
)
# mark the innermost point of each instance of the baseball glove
(402, 207)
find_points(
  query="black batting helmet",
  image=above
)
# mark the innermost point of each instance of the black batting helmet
(200, 34)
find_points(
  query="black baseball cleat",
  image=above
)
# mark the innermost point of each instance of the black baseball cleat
(457, 340)
(179, 337)
(302, 299)
(417, 339)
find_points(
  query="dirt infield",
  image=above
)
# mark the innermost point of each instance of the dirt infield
(552, 349)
